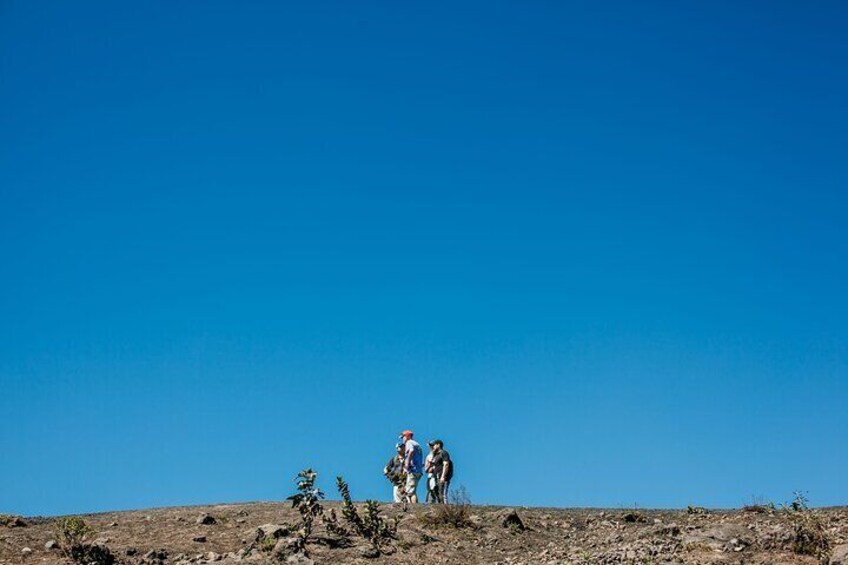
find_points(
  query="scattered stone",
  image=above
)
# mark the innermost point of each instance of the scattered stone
(724, 537)
(159, 554)
(199, 539)
(212, 556)
(51, 545)
(299, 559)
(205, 519)
(26, 551)
(369, 552)
(131, 551)
(285, 546)
(275, 531)
(101, 541)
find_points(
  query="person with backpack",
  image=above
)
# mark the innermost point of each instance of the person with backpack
(442, 466)
(413, 464)
(395, 473)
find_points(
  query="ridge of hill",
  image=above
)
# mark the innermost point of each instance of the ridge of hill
(230, 534)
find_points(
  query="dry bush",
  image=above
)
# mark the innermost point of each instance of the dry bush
(456, 514)
(758, 508)
(70, 535)
(809, 535)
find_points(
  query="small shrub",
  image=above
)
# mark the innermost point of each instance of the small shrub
(70, 536)
(332, 525)
(372, 525)
(71, 532)
(809, 535)
(307, 500)
(457, 514)
(759, 505)
(87, 554)
(266, 545)
(697, 510)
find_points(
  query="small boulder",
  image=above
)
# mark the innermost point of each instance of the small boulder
(160, 554)
(509, 518)
(285, 546)
(51, 545)
(205, 519)
(369, 552)
(26, 551)
(275, 531)
(12, 521)
(634, 517)
(299, 559)
(726, 537)
(839, 556)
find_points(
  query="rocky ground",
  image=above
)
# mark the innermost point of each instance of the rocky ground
(227, 534)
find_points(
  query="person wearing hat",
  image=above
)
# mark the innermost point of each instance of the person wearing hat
(442, 470)
(395, 473)
(413, 464)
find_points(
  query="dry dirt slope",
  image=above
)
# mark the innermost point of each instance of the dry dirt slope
(175, 536)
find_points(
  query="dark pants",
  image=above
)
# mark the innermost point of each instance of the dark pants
(442, 492)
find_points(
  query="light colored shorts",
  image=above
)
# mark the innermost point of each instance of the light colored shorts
(412, 482)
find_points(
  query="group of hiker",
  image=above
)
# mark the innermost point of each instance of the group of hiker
(406, 468)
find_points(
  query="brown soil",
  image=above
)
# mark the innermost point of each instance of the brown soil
(551, 536)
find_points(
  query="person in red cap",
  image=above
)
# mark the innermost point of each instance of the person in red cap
(413, 464)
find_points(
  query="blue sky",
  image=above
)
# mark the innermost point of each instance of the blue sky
(600, 250)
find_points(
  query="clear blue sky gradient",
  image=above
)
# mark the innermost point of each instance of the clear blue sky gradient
(600, 249)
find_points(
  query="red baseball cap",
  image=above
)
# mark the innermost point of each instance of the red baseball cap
(406, 433)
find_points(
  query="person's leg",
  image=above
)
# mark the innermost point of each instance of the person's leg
(397, 494)
(431, 491)
(443, 491)
(411, 487)
(413, 496)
